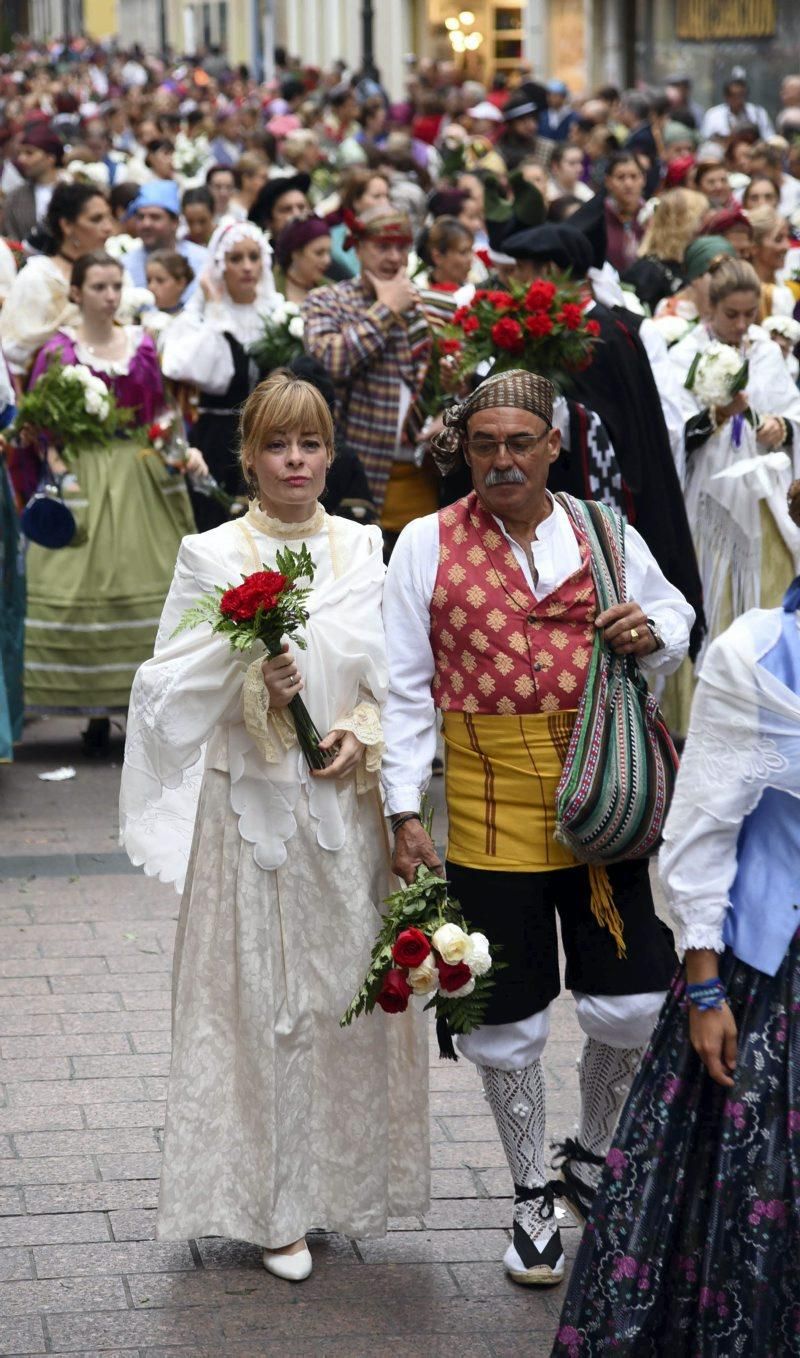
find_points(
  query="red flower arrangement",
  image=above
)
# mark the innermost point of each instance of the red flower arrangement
(543, 327)
(267, 606)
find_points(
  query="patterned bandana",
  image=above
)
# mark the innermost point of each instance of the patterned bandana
(386, 226)
(518, 388)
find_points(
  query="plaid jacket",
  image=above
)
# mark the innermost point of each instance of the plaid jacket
(367, 353)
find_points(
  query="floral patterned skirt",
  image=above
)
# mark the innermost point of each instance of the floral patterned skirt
(692, 1248)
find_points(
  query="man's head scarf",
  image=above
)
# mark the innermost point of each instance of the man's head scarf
(517, 388)
(379, 224)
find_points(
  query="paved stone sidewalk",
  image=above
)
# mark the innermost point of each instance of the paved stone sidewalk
(85, 949)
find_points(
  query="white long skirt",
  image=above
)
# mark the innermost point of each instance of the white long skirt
(278, 1120)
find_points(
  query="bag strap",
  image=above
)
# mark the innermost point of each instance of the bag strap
(604, 530)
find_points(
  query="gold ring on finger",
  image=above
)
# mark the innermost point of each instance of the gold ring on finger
(634, 634)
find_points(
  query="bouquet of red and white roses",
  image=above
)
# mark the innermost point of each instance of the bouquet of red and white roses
(167, 437)
(543, 327)
(266, 607)
(425, 947)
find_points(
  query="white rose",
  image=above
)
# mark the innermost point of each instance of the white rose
(279, 312)
(479, 958)
(93, 403)
(672, 328)
(451, 943)
(462, 992)
(296, 327)
(104, 410)
(425, 978)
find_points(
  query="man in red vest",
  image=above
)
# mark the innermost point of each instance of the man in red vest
(491, 614)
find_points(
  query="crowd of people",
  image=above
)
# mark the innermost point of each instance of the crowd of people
(282, 277)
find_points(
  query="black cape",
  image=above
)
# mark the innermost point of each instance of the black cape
(619, 385)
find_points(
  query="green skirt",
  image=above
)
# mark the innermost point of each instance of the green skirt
(94, 607)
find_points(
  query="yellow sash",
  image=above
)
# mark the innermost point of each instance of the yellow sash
(501, 778)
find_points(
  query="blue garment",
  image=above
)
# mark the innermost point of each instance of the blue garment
(555, 125)
(765, 896)
(136, 264)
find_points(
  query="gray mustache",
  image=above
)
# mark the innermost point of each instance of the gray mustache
(505, 476)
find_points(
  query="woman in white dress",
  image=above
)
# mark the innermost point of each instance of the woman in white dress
(208, 343)
(737, 473)
(38, 304)
(278, 1121)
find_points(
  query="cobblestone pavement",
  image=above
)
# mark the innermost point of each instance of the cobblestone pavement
(85, 954)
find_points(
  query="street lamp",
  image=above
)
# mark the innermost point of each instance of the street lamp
(367, 41)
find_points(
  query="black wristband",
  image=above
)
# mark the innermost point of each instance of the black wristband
(402, 819)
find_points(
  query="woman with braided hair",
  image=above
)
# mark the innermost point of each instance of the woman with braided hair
(692, 1246)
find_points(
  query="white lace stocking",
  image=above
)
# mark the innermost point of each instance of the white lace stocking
(517, 1100)
(605, 1075)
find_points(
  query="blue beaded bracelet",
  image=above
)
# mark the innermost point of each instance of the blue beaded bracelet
(706, 995)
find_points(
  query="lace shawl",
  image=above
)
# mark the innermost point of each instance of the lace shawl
(188, 709)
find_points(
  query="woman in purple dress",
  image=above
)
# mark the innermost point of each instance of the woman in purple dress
(93, 607)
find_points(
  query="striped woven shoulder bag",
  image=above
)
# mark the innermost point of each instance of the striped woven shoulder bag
(619, 773)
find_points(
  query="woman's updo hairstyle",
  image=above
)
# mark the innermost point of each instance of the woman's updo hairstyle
(66, 205)
(729, 275)
(282, 402)
(765, 221)
(442, 236)
(89, 261)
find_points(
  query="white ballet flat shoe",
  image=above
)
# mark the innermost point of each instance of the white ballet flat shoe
(291, 1267)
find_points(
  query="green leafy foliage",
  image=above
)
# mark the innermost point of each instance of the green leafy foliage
(56, 408)
(277, 346)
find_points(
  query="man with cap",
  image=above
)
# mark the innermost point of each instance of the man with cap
(280, 201)
(519, 139)
(371, 335)
(491, 614)
(619, 386)
(556, 120)
(157, 209)
(39, 157)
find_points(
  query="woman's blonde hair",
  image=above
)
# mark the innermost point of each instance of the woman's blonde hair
(729, 275)
(674, 224)
(282, 402)
(765, 221)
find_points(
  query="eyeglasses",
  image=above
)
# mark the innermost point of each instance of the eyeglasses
(518, 445)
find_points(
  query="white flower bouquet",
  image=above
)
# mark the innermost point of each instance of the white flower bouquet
(73, 408)
(132, 303)
(282, 339)
(717, 374)
(121, 245)
(673, 328)
(425, 948)
(190, 155)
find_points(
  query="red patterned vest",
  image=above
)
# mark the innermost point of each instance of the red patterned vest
(497, 650)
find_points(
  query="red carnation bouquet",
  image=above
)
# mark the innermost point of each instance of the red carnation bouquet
(266, 607)
(542, 327)
(425, 948)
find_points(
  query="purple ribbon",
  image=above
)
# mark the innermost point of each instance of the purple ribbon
(737, 424)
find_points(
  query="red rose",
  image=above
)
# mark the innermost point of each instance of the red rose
(393, 998)
(507, 334)
(484, 257)
(452, 976)
(262, 589)
(460, 314)
(449, 346)
(539, 296)
(470, 324)
(410, 948)
(593, 328)
(538, 325)
(500, 299)
(480, 295)
(571, 315)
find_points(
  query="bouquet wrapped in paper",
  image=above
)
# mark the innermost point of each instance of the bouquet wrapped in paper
(425, 948)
